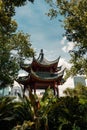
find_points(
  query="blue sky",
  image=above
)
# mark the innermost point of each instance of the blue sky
(45, 34)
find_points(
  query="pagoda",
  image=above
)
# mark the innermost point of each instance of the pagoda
(42, 74)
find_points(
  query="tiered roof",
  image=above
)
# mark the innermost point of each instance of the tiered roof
(42, 62)
(42, 73)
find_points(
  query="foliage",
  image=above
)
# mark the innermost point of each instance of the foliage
(27, 125)
(80, 91)
(46, 103)
(54, 113)
(7, 118)
(75, 25)
(67, 113)
(26, 113)
(15, 113)
(23, 110)
(11, 40)
(34, 111)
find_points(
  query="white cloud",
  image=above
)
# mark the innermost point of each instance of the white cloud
(63, 40)
(65, 64)
(69, 46)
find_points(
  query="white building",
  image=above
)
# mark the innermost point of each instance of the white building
(71, 83)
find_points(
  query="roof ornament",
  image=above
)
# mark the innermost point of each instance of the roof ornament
(41, 55)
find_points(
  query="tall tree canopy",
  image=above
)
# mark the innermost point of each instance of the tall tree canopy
(75, 25)
(11, 41)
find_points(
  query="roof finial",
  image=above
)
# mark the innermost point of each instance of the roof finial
(41, 55)
(41, 51)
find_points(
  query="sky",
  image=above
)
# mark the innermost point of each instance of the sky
(45, 34)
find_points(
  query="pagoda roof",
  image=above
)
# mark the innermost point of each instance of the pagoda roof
(46, 76)
(42, 61)
(40, 77)
(28, 67)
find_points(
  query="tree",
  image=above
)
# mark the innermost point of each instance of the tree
(15, 113)
(46, 103)
(23, 110)
(80, 91)
(11, 40)
(7, 119)
(67, 114)
(75, 25)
